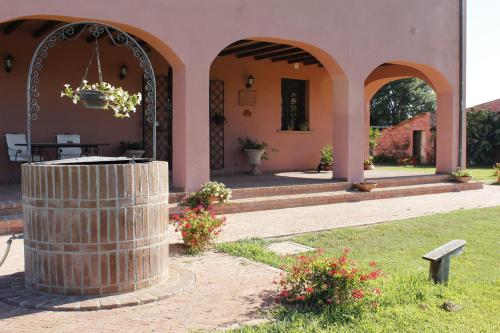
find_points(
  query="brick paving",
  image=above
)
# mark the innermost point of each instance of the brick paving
(228, 292)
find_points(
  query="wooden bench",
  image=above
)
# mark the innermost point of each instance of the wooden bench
(439, 258)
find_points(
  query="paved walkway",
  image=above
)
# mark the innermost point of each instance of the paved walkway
(229, 291)
(273, 223)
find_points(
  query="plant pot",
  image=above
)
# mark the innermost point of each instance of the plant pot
(212, 199)
(93, 99)
(254, 157)
(463, 179)
(365, 187)
(135, 153)
(369, 166)
(327, 167)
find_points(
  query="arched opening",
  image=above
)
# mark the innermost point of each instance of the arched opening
(275, 91)
(411, 107)
(66, 64)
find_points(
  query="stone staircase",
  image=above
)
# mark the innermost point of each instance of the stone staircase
(288, 196)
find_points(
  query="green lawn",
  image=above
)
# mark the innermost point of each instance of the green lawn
(410, 302)
(478, 173)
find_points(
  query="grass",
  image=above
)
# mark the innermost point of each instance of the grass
(410, 302)
(478, 173)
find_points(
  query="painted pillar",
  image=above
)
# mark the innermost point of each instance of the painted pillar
(446, 133)
(190, 127)
(349, 129)
(367, 129)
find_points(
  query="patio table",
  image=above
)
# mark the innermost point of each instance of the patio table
(40, 147)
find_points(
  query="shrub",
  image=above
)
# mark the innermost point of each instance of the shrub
(208, 194)
(199, 227)
(384, 159)
(327, 155)
(328, 281)
(368, 160)
(461, 173)
(483, 137)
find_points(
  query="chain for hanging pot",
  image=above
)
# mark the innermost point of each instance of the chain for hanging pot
(95, 54)
(93, 98)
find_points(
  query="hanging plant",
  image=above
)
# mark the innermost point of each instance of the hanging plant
(102, 95)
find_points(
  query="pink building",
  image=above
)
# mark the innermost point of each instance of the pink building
(414, 137)
(315, 68)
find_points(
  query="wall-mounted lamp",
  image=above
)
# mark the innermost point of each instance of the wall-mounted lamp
(250, 81)
(8, 63)
(123, 72)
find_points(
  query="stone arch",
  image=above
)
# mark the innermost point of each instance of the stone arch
(446, 111)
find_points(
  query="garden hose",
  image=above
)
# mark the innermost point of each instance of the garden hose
(9, 243)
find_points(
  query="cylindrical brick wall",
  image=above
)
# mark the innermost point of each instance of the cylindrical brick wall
(95, 229)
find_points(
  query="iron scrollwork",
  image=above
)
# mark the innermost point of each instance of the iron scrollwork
(72, 31)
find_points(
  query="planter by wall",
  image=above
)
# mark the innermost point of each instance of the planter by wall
(462, 179)
(254, 157)
(365, 187)
(95, 226)
(135, 153)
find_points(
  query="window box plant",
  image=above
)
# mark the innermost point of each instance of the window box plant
(255, 151)
(326, 161)
(365, 186)
(461, 175)
(368, 163)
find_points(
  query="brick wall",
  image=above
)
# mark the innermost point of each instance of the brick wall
(397, 141)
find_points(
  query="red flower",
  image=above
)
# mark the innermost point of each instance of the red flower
(184, 234)
(357, 294)
(373, 263)
(309, 290)
(300, 298)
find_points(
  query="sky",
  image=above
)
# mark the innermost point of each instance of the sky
(483, 51)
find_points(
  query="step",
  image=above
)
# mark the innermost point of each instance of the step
(274, 190)
(324, 198)
(11, 224)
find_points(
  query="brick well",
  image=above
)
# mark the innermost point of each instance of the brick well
(95, 229)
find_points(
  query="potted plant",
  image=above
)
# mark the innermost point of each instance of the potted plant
(255, 151)
(496, 167)
(209, 193)
(199, 227)
(368, 163)
(365, 186)
(461, 175)
(102, 95)
(304, 126)
(132, 149)
(326, 161)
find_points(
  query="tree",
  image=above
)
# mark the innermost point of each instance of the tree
(400, 100)
(483, 137)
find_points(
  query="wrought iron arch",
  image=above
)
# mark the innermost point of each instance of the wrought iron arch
(72, 31)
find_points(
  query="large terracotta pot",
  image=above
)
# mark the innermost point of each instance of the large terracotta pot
(92, 99)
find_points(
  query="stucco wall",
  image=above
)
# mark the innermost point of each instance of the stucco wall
(66, 64)
(296, 150)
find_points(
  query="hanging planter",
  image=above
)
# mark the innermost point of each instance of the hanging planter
(102, 95)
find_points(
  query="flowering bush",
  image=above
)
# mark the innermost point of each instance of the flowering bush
(318, 280)
(119, 100)
(199, 227)
(208, 194)
(461, 173)
(327, 155)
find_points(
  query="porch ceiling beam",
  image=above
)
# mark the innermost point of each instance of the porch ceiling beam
(44, 28)
(279, 53)
(244, 48)
(12, 26)
(303, 59)
(311, 62)
(263, 50)
(292, 56)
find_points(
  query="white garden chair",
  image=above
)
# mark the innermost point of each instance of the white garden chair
(18, 154)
